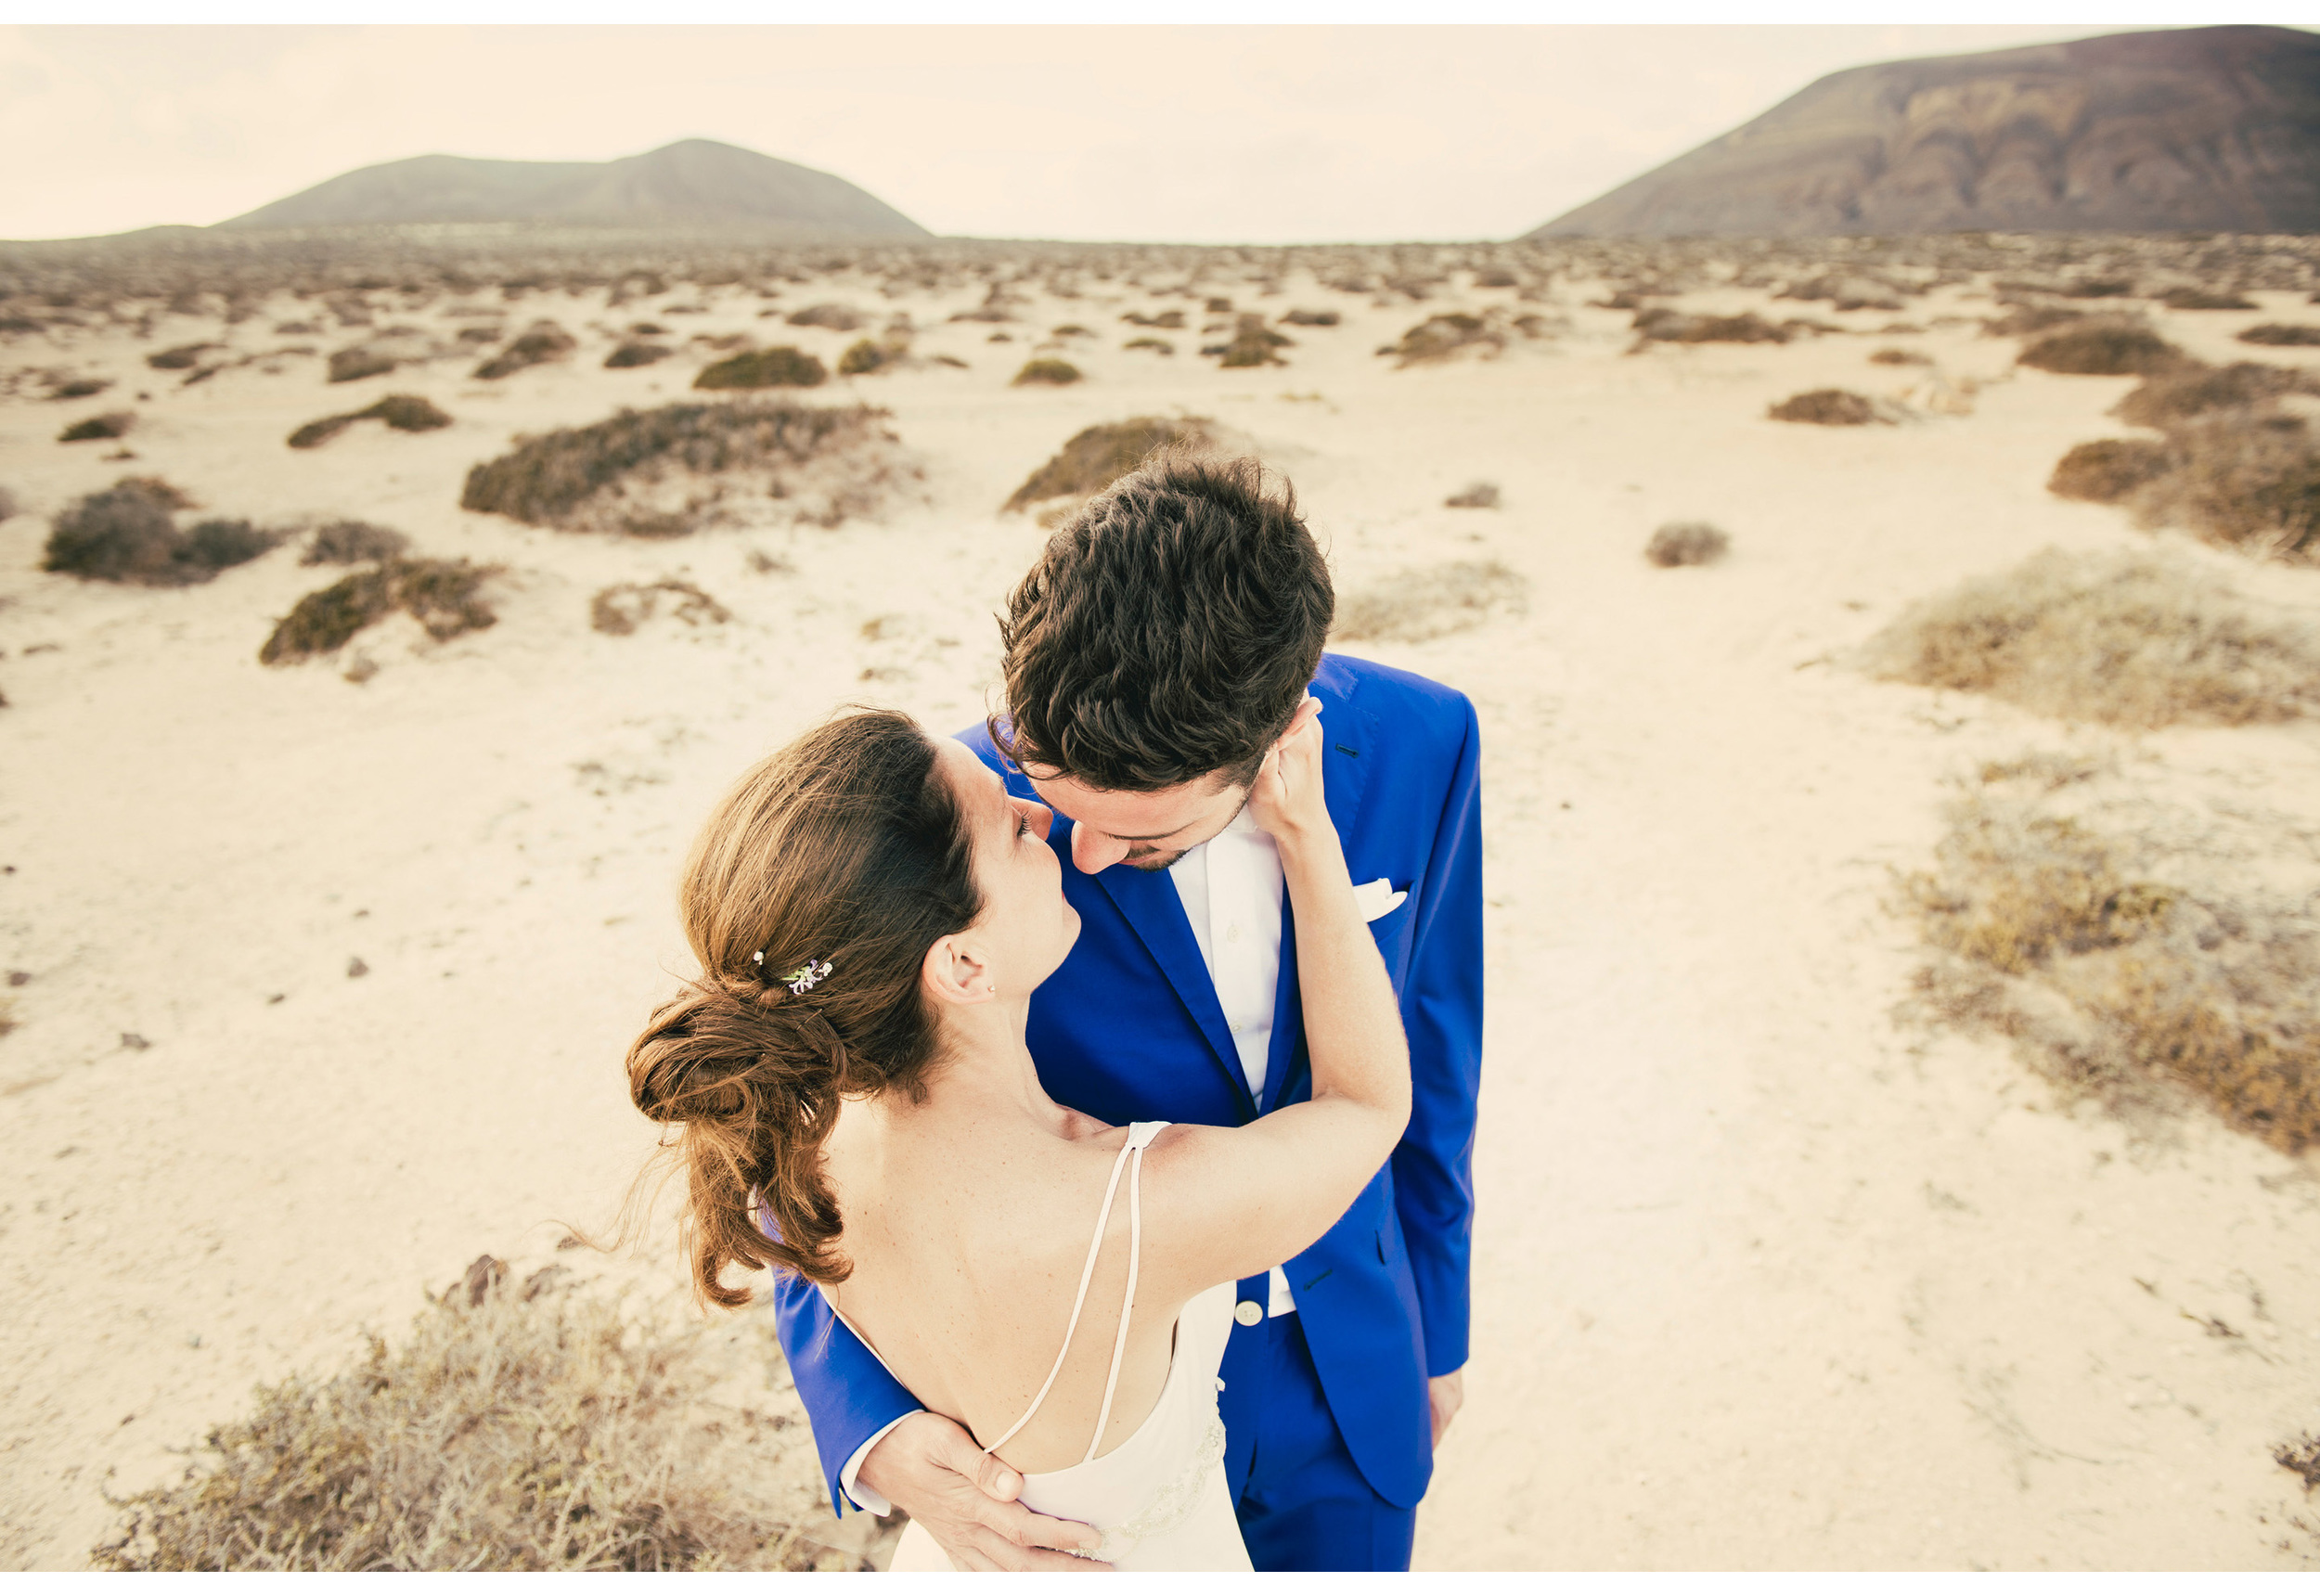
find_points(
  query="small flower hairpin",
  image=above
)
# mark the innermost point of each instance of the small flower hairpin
(802, 980)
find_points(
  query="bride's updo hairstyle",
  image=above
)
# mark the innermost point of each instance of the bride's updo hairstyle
(847, 848)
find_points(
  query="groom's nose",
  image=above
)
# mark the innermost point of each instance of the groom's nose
(1093, 851)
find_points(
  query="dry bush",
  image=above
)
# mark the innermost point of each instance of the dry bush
(180, 358)
(1900, 358)
(1827, 407)
(2113, 982)
(1252, 344)
(360, 361)
(533, 1429)
(1430, 601)
(836, 317)
(8, 504)
(353, 542)
(2246, 479)
(2124, 639)
(1662, 323)
(1101, 455)
(112, 424)
(2170, 396)
(662, 473)
(1687, 543)
(784, 366)
(1325, 317)
(1449, 334)
(2103, 348)
(78, 387)
(2204, 298)
(1474, 496)
(1161, 345)
(636, 352)
(2282, 335)
(538, 344)
(445, 595)
(2301, 1458)
(129, 532)
(865, 355)
(2108, 470)
(1171, 319)
(619, 610)
(403, 412)
(2024, 320)
(1053, 373)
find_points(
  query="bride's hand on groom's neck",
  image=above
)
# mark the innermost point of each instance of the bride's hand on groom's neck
(1287, 799)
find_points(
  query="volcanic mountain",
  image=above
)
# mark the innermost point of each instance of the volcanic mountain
(695, 183)
(2186, 130)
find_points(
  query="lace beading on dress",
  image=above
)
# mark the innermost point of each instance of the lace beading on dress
(1175, 1502)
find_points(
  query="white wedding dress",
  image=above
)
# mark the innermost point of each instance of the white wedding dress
(1159, 1497)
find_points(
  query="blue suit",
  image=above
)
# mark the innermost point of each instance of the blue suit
(1329, 1402)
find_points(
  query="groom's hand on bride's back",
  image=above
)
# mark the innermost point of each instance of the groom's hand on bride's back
(932, 1469)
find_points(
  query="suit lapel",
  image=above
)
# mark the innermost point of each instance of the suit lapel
(1147, 900)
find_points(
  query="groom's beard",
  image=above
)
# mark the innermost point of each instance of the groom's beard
(1149, 862)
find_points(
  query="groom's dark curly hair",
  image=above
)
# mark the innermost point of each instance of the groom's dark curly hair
(1167, 632)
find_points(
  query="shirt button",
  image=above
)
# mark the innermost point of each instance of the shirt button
(1248, 1313)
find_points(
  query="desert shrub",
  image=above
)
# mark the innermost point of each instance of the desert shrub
(128, 532)
(534, 1428)
(353, 365)
(1217, 304)
(1096, 458)
(1492, 277)
(445, 595)
(2204, 298)
(1160, 345)
(2098, 288)
(619, 610)
(2024, 321)
(1474, 496)
(1826, 408)
(1900, 358)
(2125, 640)
(353, 542)
(1069, 330)
(2246, 479)
(1686, 543)
(2102, 348)
(836, 317)
(2280, 335)
(2109, 979)
(180, 358)
(616, 474)
(1252, 343)
(2106, 471)
(1054, 373)
(1324, 318)
(8, 504)
(478, 335)
(865, 355)
(536, 345)
(403, 412)
(634, 352)
(79, 387)
(1430, 601)
(784, 366)
(1662, 323)
(1170, 319)
(112, 424)
(2169, 396)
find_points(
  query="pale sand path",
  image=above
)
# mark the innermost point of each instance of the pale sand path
(1763, 1280)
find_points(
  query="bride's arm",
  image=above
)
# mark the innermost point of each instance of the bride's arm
(1224, 1203)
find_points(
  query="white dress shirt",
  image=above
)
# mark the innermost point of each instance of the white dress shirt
(1232, 888)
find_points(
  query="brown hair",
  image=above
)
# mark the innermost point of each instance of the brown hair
(1167, 632)
(847, 847)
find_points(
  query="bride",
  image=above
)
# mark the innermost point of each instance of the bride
(872, 910)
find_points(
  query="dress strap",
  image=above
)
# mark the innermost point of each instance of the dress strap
(1086, 1272)
(1140, 1137)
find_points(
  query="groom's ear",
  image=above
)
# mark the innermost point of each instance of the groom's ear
(955, 970)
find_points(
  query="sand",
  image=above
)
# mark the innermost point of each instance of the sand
(1765, 1277)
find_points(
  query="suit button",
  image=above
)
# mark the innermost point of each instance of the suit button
(1248, 1313)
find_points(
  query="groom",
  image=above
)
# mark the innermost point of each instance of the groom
(1155, 654)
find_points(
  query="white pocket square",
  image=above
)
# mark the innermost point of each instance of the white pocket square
(1377, 899)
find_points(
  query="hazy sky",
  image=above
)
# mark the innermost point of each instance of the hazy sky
(1264, 135)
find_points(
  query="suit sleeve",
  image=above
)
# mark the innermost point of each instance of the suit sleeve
(1441, 1012)
(848, 1395)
